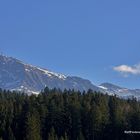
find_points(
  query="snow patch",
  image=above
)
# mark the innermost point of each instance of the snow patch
(24, 89)
(49, 73)
(27, 70)
(102, 87)
(33, 92)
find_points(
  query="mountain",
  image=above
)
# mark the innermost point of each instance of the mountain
(120, 91)
(17, 75)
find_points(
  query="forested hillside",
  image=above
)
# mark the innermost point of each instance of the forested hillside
(68, 115)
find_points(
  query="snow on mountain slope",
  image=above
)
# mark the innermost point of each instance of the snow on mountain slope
(120, 91)
(17, 75)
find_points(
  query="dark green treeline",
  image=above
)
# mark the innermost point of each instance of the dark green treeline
(67, 115)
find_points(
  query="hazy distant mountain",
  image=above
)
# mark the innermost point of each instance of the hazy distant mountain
(16, 75)
(120, 91)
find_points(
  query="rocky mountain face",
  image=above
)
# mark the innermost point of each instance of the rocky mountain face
(121, 92)
(16, 75)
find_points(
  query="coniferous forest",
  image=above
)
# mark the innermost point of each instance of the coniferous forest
(67, 115)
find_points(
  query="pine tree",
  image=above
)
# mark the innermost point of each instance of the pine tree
(52, 135)
(32, 127)
(64, 138)
(10, 134)
(81, 136)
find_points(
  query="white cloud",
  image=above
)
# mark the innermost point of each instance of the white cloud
(125, 69)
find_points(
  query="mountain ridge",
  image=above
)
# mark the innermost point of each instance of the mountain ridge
(18, 75)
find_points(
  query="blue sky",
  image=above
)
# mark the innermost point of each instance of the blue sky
(95, 39)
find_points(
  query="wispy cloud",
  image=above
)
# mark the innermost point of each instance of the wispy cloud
(126, 69)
